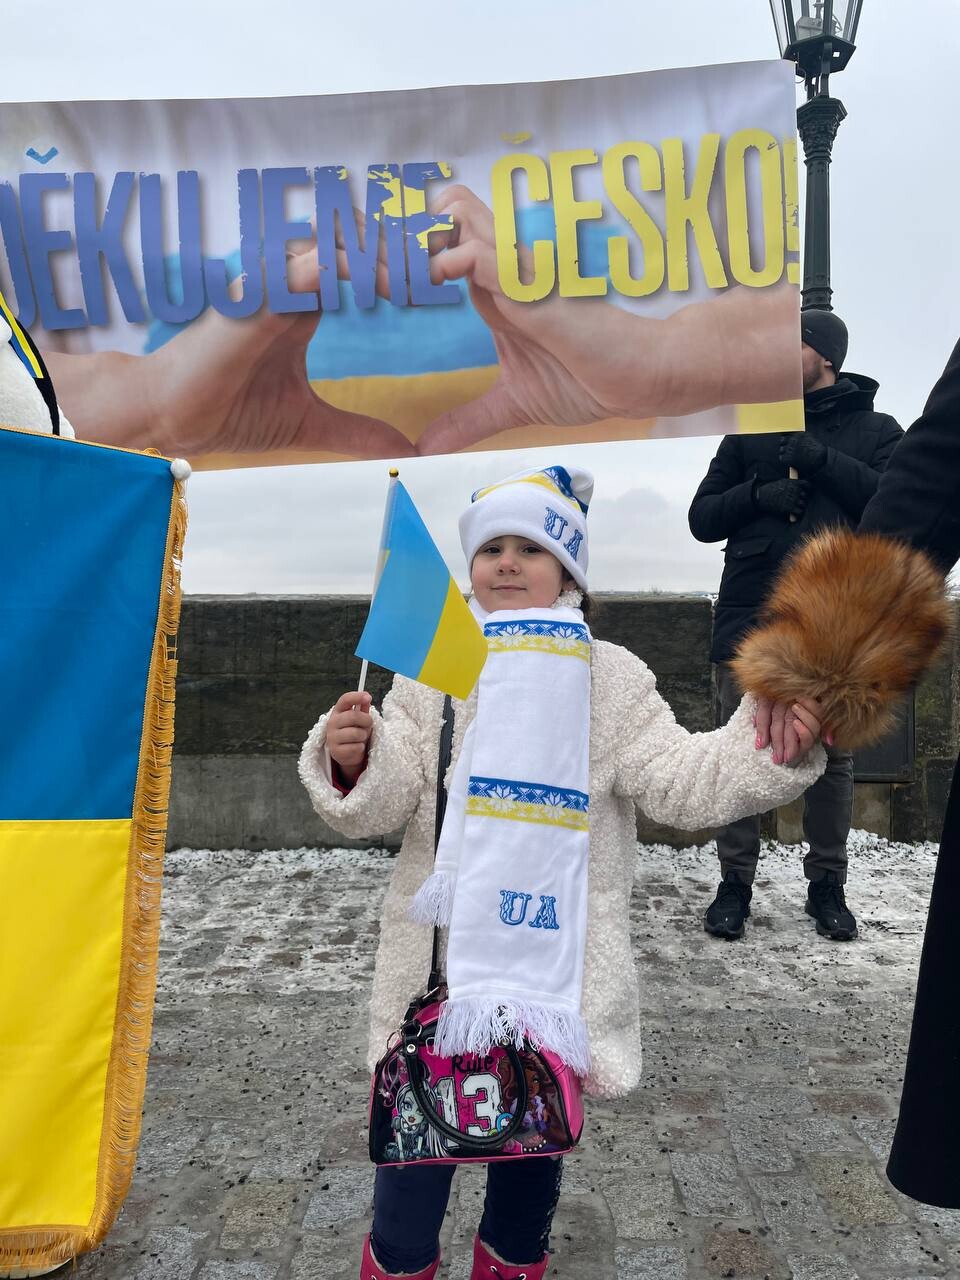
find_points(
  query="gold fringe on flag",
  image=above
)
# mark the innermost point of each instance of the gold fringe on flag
(51, 1246)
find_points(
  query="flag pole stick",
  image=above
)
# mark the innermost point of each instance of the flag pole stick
(381, 560)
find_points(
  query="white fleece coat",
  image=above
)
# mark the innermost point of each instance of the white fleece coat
(639, 755)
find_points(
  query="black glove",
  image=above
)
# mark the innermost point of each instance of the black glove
(782, 497)
(801, 450)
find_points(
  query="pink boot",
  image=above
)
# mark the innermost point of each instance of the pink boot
(370, 1269)
(487, 1267)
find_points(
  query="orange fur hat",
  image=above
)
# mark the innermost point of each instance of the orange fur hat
(853, 621)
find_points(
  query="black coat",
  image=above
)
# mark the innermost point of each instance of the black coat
(919, 499)
(859, 442)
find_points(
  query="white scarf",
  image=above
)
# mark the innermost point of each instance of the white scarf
(510, 877)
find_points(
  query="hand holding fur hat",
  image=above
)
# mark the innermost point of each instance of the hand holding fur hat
(854, 621)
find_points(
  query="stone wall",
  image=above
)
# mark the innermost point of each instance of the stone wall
(255, 672)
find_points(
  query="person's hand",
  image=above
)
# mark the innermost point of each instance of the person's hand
(782, 497)
(220, 386)
(567, 361)
(348, 733)
(791, 729)
(544, 349)
(800, 450)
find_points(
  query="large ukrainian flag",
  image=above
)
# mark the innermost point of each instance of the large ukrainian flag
(419, 623)
(91, 540)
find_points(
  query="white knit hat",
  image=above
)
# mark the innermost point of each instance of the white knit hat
(548, 506)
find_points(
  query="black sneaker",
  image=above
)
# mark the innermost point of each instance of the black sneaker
(725, 916)
(827, 905)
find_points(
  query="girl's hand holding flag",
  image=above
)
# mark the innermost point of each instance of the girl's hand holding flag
(348, 733)
(419, 625)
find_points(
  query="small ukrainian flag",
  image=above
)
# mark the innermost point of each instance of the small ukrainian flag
(419, 623)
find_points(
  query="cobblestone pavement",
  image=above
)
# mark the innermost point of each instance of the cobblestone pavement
(754, 1148)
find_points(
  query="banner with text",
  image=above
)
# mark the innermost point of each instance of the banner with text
(377, 275)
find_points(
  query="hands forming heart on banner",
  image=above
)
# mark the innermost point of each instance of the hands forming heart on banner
(545, 369)
(242, 385)
(549, 374)
(577, 361)
(222, 386)
(226, 386)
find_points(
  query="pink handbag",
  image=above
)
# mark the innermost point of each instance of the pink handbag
(494, 1106)
(501, 1105)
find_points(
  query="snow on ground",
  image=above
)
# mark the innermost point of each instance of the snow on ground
(755, 1145)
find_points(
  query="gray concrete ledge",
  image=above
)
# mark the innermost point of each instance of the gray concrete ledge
(256, 671)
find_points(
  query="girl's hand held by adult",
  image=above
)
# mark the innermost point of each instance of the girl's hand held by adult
(790, 730)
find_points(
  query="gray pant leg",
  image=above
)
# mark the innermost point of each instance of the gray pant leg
(738, 843)
(827, 813)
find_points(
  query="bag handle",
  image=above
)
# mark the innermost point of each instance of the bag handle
(488, 1142)
(443, 764)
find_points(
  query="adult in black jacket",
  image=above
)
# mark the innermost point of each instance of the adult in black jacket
(919, 500)
(763, 494)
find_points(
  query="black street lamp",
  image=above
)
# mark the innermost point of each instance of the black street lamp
(818, 36)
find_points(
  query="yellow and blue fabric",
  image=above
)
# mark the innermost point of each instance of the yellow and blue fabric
(565, 639)
(528, 802)
(419, 624)
(541, 803)
(92, 539)
(32, 361)
(556, 480)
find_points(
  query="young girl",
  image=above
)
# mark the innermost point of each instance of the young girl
(535, 864)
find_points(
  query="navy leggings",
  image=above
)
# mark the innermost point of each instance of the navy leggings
(409, 1204)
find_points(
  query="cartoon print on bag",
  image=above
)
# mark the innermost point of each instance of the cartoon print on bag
(541, 1125)
(536, 1120)
(478, 1098)
(411, 1129)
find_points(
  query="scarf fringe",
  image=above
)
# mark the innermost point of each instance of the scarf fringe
(473, 1024)
(433, 901)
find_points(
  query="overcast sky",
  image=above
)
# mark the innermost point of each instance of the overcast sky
(895, 253)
